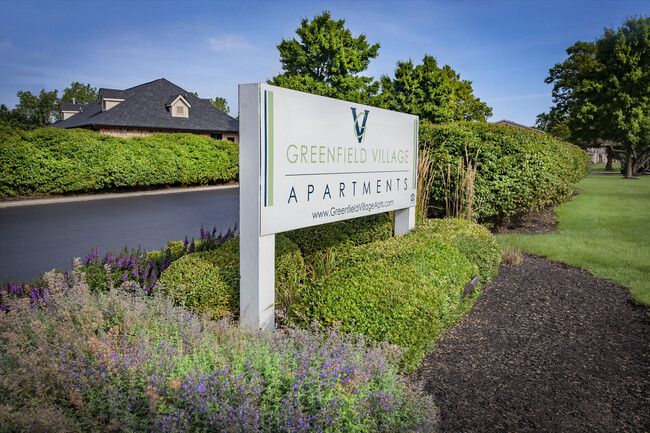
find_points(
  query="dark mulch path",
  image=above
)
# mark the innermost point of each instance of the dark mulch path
(546, 348)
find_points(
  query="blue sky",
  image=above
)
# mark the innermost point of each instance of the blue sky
(504, 47)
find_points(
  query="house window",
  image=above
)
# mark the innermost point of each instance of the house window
(180, 110)
(231, 139)
(217, 136)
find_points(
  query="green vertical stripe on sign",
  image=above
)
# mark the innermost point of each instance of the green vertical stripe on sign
(415, 153)
(269, 160)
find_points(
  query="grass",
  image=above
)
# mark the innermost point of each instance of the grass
(616, 166)
(605, 230)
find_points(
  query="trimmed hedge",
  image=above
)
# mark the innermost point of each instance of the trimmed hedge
(61, 161)
(518, 171)
(357, 231)
(208, 282)
(402, 290)
(474, 241)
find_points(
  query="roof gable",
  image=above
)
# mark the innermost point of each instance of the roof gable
(146, 106)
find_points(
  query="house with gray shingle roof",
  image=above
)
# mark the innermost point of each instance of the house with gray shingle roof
(154, 107)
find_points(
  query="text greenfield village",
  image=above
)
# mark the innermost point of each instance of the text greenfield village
(346, 155)
(343, 155)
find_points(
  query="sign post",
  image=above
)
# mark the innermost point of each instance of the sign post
(306, 160)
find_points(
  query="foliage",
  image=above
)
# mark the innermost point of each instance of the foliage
(38, 110)
(209, 282)
(474, 241)
(63, 161)
(221, 104)
(357, 231)
(555, 123)
(13, 118)
(602, 91)
(604, 230)
(403, 290)
(124, 269)
(435, 94)
(517, 171)
(327, 59)
(79, 93)
(113, 361)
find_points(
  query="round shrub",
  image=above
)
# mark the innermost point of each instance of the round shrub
(518, 171)
(204, 281)
(474, 241)
(208, 281)
(402, 290)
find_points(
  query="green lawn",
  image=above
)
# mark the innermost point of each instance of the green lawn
(616, 166)
(605, 230)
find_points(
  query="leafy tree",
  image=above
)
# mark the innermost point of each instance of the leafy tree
(554, 123)
(38, 110)
(221, 104)
(327, 60)
(79, 93)
(12, 118)
(602, 90)
(433, 93)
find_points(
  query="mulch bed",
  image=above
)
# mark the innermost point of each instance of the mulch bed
(547, 348)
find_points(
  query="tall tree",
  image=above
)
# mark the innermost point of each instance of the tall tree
(327, 60)
(602, 89)
(554, 123)
(79, 93)
(38, 110)
(433, 93)
(221, 104)
(12, 118)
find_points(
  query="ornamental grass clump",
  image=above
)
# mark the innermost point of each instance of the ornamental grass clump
(78, 360)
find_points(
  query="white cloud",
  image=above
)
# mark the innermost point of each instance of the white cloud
(228, 43)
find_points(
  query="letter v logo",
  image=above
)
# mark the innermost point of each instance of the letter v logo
(359, 131)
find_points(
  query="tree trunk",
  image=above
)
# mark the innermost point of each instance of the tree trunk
(629, 174)
(610, 158)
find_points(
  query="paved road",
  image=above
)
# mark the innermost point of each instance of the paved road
(39, 237)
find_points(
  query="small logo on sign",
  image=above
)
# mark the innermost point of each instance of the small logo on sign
(412, 198)
(359, 129)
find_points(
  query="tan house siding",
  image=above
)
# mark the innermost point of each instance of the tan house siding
(129, 132)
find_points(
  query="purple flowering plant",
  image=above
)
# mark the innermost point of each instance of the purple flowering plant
(126, 266)
(117, 360)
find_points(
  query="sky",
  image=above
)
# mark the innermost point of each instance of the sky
(505, 48)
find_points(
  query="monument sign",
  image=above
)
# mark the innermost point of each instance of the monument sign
(306, 160)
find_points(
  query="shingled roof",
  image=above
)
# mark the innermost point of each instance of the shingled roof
(146, 107)
(517, 125)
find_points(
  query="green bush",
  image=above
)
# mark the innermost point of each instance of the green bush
(518, 171)
(208, 282)
(60, 161)
(403, 290)
(474, 241)
(356, 231)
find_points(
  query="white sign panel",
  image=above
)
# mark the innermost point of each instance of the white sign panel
(325, 160)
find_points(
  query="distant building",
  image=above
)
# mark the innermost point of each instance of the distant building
(155, 107)
(517, 125)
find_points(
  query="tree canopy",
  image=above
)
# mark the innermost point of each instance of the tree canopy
(432, 93)
(221, 104)
(79, 93)
(327, 60)
(601, 91)
(37, 111)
